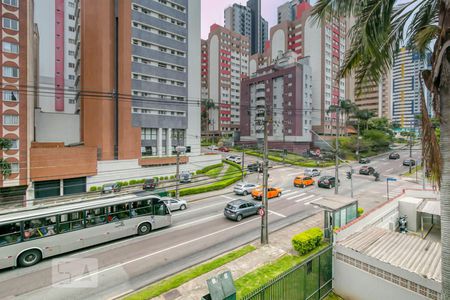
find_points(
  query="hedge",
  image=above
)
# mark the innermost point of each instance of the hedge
(307, 241)
(308, 164)
(206, 169)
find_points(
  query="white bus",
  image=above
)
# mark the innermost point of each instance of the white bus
(26, 237)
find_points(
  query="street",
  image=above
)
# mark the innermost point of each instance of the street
(197, 234)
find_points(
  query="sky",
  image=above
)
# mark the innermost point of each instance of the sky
(212, 12)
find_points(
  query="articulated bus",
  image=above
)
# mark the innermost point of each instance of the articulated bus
(26, 237)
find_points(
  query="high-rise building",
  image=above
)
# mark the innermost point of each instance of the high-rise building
(406, 81)
(274, 90)
(247, 20)
(19, 77)
(288, 10)
(375, 97)
(228, 56)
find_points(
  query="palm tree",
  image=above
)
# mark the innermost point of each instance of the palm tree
(381, 26)
(207, 105)
(364, 116)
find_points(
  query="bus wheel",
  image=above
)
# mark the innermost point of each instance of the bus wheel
(29, 258)
(144, 228)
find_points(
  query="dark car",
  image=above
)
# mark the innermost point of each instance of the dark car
(111, 188)
(149, 184)
(364, 160)
(224, 149)
(239, 209)
(409, 162)
(394, 156)
(327, 182)
(255, 167)
(366, 170)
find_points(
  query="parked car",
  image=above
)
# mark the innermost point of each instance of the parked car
(174, 203)
(239, 209)
(312, 172)
(224, 149)
(364, 160)
(409, 162)
(111, 188)
(149, 184)
(255, 167)
(185, 177)
(234, 158)
(366, 170)
(327, 182)
(213, 147)
(244, 188)
(303, 181)
(257, 193)
(394, 155)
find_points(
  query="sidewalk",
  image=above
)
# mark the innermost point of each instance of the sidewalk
(280, 243)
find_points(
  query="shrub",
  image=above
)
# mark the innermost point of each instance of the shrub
(133, 182)
(206, 169)
(307, 241)
(93, 189)
(233, 164)
(99, 189)
(172, 177)
(360, 211)
(124, 183)
(166, 178)
(161, 178)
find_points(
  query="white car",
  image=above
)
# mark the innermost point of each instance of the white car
(236, 159)
(312, 172)
(244, 188)
(175, 204)
(213, 147)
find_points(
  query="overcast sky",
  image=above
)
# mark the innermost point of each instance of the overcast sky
(212, 12)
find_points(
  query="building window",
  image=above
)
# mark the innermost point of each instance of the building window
(72, 77)
(11, 2)
(71, 29)
(149, 134)
(10, 47)
(71, 65)
(10, 24)
(14, 168)
(10, 120)
(10, 95)
(71, 17)
(14, 144)
(72, 41)
(11, 72)
(71, 4)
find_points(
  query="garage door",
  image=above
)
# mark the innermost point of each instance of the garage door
(74, 185)
(43, 189)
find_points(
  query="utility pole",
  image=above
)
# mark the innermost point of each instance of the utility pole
(284, 142)
(243, 157)
(410, 148)
(178, 149)
(336, 172)
(358, 155)
(265, 216)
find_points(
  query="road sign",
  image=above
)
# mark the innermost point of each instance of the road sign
(391, 179)
(261, 212)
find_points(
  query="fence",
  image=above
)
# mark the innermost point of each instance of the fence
(310, 280)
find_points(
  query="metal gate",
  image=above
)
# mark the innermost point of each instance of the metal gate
(43, 189)
(74, 185)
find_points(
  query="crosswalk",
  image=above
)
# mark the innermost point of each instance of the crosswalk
(395, 192)
(300, 196)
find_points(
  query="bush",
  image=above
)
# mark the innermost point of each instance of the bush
(172, 177)
(93, 189)
(206, 169)
(161, 178)
(133, 182)
(99, 188)
(360, 211)
(307, 241)
(233, 164)
(124, 183)
(166, 178)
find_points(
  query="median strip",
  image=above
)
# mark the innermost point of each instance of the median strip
(177, 280)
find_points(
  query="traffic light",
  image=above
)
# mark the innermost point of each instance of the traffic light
(349, 175)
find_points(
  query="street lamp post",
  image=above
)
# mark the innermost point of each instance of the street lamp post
(178, 149)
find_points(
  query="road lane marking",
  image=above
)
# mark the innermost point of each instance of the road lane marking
(194, 210)
(197, 221)
(296, 173)
(163, 250)
(296, 196)
(389, 170)
(312, 201)
(306, 198)
(289, 194)
(286, 191)
(226, 197)
(277, 214)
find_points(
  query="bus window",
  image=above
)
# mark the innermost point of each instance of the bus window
(161, 209)
(38, 228)
(118, 212)
(71, 221)
(96, 216)
(141, 208)
(10, 234)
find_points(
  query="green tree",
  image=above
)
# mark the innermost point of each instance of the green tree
(363, 116)
(380, 28)
(207, 106)
(5, 167)
(379, 124)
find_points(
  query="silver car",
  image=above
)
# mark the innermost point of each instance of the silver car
(238, 209)
(312, 172)
(175, 204)
(244, 188)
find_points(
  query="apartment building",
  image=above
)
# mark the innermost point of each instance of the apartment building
(247, 21)
(375, 97)
(288, 10)
(406, 81)
(280, 93)
(228, 57)
(18, 76)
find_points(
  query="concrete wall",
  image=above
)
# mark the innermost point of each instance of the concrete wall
(57, 127)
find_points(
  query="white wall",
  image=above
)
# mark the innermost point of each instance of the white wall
(278, 43)
(213, 74)
(193, 131)
(57, 127)
(313, 38)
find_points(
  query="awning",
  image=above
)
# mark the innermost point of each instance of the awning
(431, 207)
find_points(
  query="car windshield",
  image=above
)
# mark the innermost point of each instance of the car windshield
(231, 207)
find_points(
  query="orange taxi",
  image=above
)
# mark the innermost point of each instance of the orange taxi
(303, 181)
(271, 193)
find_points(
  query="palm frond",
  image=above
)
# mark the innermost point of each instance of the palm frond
(424, 26)
(341, 8)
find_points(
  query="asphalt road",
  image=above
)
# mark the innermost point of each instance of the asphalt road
(197, 234)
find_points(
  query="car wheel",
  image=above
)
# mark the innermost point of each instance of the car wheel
(182, 207)
(302, 186)
(29, 258)
(245, 193)
(279, 194)
(239, 218)
(144, 228)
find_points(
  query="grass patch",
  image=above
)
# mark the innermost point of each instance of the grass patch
(293, 159)
(333, 296)
(214, 173)
(413, 171)
(175, 281)
(253, 280)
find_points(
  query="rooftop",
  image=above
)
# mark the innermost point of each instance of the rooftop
(406, 251)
